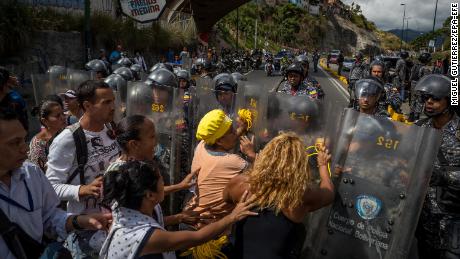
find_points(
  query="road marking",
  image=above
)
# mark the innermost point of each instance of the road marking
(337, 85)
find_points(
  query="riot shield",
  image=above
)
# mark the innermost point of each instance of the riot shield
(161, 105)
(205, 99)
(300, 114)
(120, 107)
(58, 81)
(251, 108)
(386, 167)
(42, 87)
(75, 77)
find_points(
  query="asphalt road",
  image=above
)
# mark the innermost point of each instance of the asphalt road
(335, 92)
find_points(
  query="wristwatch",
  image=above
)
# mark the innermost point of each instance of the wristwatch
(75, 224)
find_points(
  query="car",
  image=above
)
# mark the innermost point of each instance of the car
(348, 64)
(335, 52)
(333, 59)
(390, 62)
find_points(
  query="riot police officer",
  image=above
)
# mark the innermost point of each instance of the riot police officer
(358, 71)
(367, 93)
(438, 231)
(225, 89)
(309, 81)
(137, 70)
(125, 72)
(97, 66)
(390, 94)
(401, 73)
(203, 67)
(162, 65)
(418, 71)
(295, 84)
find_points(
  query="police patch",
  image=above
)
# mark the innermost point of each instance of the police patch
(368, 207)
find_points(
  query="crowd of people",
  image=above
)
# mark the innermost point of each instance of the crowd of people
(166, 164)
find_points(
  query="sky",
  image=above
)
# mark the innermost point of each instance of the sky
(388, 14)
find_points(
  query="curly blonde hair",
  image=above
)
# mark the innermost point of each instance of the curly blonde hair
(280, 175)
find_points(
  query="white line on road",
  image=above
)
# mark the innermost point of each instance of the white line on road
(337, 85)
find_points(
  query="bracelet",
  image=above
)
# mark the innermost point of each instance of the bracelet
(75, 224)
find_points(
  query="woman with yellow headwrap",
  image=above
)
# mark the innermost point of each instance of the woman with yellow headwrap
(214, 163)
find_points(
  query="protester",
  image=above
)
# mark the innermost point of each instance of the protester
(137, 140)
(80, 154)
(10, 99)
(283, 190)
(214, 163)
(137, 231)
(74, 112)
(52, 119)
(116, 54)
(28, 203)
(139, 59)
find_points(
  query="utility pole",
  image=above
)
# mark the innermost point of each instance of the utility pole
(87, 30)
(435, 10)
(402, 31)
(237, 26)
(255, 37)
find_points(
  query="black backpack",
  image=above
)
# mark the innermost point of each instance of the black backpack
(80, 148)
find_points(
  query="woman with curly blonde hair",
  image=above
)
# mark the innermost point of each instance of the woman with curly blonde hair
(281, 185)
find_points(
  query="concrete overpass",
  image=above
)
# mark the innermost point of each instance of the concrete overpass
(205, 12)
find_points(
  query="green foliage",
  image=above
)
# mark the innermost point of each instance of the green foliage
(361, 21)
(18, 23)
(284, 24)
(390, 41)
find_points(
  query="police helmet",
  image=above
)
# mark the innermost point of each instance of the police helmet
(404, 54)
(295, 68)
(162, 77)
(225, 82)
(162, 65)
(124, 62)
(425, 57)
(125, 72)
(97, 65)
(370, 86)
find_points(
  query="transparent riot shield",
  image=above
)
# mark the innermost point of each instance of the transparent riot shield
(75, 77)
(162, 106)
(300, 114)
(58, 81)
(42, 87)
(207, 99)
(386, 167)
(251, 109)
(120, 107)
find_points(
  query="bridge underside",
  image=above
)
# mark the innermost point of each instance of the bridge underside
(206, 13)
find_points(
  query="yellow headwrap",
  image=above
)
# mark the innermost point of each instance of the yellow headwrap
(213, 126)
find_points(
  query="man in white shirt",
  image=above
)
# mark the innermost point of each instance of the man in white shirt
(27, 198)
(82, 188)
(97, 100)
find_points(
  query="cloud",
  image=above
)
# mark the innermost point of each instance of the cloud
(388, 14)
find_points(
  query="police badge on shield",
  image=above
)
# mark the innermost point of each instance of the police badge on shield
(368, 207)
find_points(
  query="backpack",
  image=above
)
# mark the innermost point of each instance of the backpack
(80, 148)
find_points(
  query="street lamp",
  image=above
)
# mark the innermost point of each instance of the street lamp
(402, 30)
(406, 31)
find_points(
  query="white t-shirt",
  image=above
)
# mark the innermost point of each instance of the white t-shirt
(62, 162)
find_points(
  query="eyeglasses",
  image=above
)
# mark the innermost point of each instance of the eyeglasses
(426, 97)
